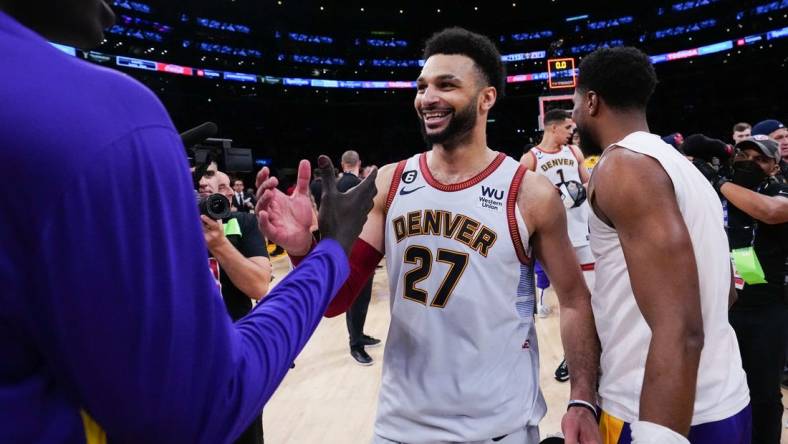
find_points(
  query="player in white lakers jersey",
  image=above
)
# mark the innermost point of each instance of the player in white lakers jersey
(671, 369)
(459, 225)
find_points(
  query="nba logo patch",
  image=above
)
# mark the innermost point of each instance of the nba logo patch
(409, 176)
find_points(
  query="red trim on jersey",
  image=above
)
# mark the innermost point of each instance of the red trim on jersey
(395, 179)
(511, 216)
(535, 160)
(587, 267)
(548, 152)
(425, 170)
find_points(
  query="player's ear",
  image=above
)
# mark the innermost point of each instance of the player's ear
(592, 102)
(487, 97)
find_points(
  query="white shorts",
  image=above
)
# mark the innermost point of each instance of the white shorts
(584, 255)
(528, 435)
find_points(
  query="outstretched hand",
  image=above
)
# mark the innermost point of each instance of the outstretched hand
(343, 215)
(285, 220)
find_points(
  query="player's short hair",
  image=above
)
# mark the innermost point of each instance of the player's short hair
(475, 46)
(556, 116)
(741, 126)
(623, 77)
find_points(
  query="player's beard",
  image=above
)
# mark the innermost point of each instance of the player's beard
(587, 144)
(460, 126)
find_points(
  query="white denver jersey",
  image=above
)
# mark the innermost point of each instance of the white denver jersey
(559, 167)
(461, 361)
(722, 386)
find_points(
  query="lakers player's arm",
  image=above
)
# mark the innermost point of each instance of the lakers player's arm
(545, 218)
(581, 159)
(529, 161)
(368, 249)
(634, 194)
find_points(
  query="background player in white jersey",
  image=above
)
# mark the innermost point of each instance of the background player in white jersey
(556, 158)
(562, 163)
(457, 225)
(670, 366)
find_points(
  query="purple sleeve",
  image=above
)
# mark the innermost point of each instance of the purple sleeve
(127, 314)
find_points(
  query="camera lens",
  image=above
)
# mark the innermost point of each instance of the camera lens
(215, 206)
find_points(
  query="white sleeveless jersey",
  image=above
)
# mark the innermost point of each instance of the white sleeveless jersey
(722, 387)
(461, 360)
(559, 167)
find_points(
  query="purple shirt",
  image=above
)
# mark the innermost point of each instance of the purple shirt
(108, 305)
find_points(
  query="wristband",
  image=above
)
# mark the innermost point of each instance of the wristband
(585, 404)
(644, 432)
(297, 259)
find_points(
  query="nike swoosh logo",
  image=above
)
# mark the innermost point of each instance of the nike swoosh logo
(403, 191)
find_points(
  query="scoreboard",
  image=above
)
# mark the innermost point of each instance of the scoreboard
(561, 73)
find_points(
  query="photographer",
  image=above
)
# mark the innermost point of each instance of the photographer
(241, 265)
(757, 228)
(237, 245)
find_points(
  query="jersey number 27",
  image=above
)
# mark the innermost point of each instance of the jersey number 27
(422, 256)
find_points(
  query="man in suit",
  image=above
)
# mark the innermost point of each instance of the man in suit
(243, 202)
(356, 316)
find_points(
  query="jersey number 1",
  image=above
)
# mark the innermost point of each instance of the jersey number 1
(422, 257)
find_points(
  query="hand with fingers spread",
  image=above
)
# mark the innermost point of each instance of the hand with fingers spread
(342, 215)
(283, 219)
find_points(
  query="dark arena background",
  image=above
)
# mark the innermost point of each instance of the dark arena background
(292, 79)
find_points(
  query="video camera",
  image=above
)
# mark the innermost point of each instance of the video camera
(202, 150)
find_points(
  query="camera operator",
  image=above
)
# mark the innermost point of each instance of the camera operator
(240, 250)
(757, 226)
(241, 265)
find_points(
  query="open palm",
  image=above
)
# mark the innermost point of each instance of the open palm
(283, 219)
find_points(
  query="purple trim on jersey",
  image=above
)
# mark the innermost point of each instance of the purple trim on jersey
(734, 430)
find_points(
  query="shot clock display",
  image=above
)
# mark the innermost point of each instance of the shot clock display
(561, 73)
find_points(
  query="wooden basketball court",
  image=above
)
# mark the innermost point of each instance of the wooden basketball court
(330, 399)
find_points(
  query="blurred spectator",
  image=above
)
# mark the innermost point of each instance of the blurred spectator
(243, 201)
(741, 131)
(776, 131)
(675, 140)
(356, 315)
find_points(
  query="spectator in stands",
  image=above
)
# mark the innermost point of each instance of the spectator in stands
(741, 131)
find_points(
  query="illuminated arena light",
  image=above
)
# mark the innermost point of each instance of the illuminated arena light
(135, 63)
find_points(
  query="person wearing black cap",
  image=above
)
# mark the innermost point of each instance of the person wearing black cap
(757, 207)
